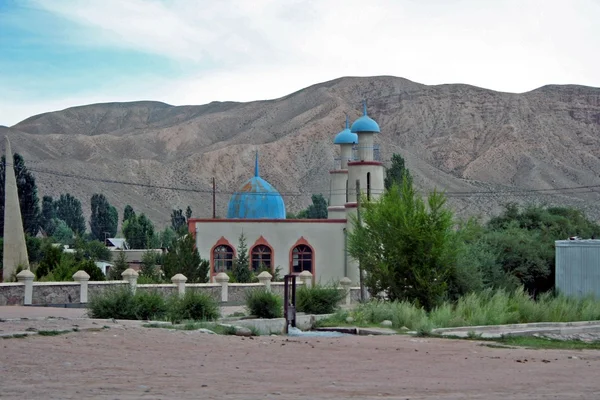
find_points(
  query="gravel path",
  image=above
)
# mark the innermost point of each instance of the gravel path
(126, 361)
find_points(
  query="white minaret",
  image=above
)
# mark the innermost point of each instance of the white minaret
(338, 194)
(366, 166)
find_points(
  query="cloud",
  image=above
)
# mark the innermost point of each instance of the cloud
(242, 50)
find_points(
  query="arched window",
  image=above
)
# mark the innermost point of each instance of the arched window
(302, 259)
(262, 257)
(223, 258)
(368, 186)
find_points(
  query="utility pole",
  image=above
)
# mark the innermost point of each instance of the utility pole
(360, 271)
(214, 191)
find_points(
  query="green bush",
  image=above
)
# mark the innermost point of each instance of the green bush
(193, 305)
(120, 303)
(264, 304)
(489, 307)
(319, 299)
(112, 303)
(149, 305)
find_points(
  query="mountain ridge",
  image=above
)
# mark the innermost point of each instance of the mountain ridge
(456, 137)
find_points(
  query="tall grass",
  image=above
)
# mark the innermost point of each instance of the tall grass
(489, 307)
(319, 299)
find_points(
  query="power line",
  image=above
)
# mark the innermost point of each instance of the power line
(454, 194)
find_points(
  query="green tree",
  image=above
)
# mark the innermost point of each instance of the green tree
(178, 221)
(148, 267)
(188, 213)
(28, 196)
(405, 245)
(523, 240)
(119, 266)
(396, 173)
(48, 215)
(166, 237)
(104, 218)
(51, 258)
(90, 267)
(241, 267)
(317, 210)
(63, 234)
(92, 250)
(183, 258)
(139, 232)
(68, 209)
(128, 213)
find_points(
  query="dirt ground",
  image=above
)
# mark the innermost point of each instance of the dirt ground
(126, 361)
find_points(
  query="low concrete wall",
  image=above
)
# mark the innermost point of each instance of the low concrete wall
(276, 325)
(50, 293)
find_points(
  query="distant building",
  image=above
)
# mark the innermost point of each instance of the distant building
(317, 245)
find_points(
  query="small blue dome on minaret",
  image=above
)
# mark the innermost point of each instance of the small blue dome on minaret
(256, 199)
(364, 123)
(346, 136)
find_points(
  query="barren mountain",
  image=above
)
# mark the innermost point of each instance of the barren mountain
(484, 148)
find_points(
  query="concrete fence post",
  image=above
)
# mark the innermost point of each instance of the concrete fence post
(345, 284)
(130, 275)
(83, 278)
(26, 277)
(180, 281)
(223, 279)
(306, 278)
(265, 279)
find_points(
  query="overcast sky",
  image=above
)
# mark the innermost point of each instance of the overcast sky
(60, 53)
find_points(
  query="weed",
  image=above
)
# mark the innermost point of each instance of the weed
(264, 304)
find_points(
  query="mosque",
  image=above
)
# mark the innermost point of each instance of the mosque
(294, 245)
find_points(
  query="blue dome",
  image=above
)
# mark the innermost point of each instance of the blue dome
(346, 136)
(364, 123)
(256, 199)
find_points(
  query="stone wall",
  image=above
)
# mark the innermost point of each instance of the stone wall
(11, 294)
(47, 293)
(56, 293)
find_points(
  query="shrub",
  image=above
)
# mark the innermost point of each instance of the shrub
(120, 303)
(113, 303)
(193, 306)
(319, 299)
(149, 305)
(264, 304)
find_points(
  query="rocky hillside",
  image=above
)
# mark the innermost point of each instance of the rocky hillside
(459, 138)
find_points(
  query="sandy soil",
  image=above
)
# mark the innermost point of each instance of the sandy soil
(130, 362)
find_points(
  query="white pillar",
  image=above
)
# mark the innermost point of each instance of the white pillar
(223, 279)
(345, 283)
(306, 278)
(83, 278)
(130, 275)
(265, 279)
(26, 277)
(180, 281)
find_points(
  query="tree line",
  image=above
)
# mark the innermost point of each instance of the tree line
(414, 248)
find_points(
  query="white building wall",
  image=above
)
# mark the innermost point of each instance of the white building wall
(326, 237)
(360, 171)
(337, 196)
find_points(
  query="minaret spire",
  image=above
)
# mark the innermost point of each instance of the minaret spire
(347, 121)
(365, 107)
(256, 164)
